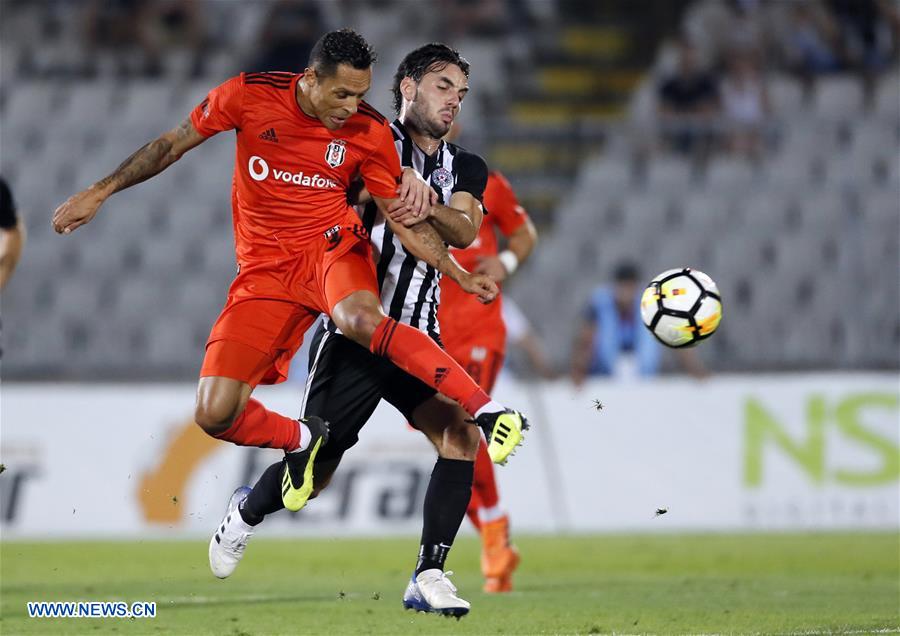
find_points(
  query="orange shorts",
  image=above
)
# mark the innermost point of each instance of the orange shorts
(271, 305)
(481, 363)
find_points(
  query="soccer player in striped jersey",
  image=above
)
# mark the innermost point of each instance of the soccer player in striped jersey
(301, 140)
(346, 382)
(475, 335)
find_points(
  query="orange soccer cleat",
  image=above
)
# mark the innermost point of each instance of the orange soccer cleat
(499, 559)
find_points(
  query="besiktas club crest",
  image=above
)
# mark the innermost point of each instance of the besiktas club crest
(335, 153)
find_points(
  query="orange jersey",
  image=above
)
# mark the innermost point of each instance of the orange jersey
(463, 319)
(291, 173)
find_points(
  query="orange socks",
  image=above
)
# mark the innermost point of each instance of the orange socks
(419, 355)
(258, 426)
(484, 486)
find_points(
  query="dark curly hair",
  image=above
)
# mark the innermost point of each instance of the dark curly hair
(423, 60)
(340, 47)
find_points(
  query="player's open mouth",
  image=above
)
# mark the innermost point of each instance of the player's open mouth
(338, 121)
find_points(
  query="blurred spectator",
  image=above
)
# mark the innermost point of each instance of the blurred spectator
(478, 18)
(745, 105)
(688, 103)
(136, 35)
(112, 27)
(174, 25)
(866, 37)
(288, 35)
(12, 234)
(612, 340)
(720, 26)
(809, 40)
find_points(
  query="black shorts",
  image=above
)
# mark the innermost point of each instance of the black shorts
(346, 382)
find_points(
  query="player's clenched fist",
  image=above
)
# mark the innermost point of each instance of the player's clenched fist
(480, 285)
(77, 210)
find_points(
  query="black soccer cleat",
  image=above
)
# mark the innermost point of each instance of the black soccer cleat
(297, 479)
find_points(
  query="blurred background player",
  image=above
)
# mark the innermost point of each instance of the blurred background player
(12, 234)
(612, 340)
(475, 335)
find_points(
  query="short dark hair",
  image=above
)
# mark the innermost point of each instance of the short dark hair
(626, 272)
(340, 47)
(423, 60)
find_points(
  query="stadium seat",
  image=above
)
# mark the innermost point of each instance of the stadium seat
(606, 174)
(669, 174)
(887, 97)
(803, 137)
(705, 212)
(838, 98)
(173, 342)
(788, 171)
(88, 104)
(785, 94)
(727, 174)
(30, 103)
(142, 298)
(144, 100)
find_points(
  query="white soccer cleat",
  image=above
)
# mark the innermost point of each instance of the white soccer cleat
(226, 548)
(431, 591)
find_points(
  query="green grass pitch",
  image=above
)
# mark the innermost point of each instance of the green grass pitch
(769, 583)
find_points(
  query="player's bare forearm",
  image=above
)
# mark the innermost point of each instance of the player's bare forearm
(453, 226)
(522, 241)
(11, 243)
(423, 242)
(427, 245)
(457, 222)
(151, 159)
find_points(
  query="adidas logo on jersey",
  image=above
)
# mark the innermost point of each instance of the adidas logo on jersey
(440, 374)
(269, 135)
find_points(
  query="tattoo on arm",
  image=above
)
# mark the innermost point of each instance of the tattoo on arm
(429, 239)
(147, 161)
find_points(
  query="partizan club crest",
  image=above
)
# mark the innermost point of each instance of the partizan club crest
(335, 153)
(442, 177)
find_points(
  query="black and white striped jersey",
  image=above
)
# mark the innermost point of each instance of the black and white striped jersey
(410, 289)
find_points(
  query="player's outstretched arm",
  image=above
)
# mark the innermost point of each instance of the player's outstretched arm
(148, 161)
(426, 244)
(11, 242)
(520, 244)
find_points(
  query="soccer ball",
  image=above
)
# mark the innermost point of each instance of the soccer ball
(681, 307)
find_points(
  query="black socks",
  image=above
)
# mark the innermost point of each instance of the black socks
(265, 498)
(446, 500)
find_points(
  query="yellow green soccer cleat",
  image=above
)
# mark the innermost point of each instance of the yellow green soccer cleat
(297, 479)
(503, 431)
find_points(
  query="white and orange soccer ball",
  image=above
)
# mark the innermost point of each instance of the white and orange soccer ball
(681, 307)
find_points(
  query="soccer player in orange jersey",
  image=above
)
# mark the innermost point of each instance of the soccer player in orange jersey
(475, 335)
(301, 251)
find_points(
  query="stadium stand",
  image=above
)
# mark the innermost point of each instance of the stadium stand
(803, 242)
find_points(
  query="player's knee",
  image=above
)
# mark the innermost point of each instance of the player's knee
(361, 324)
(215, 416)
(461, 441)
